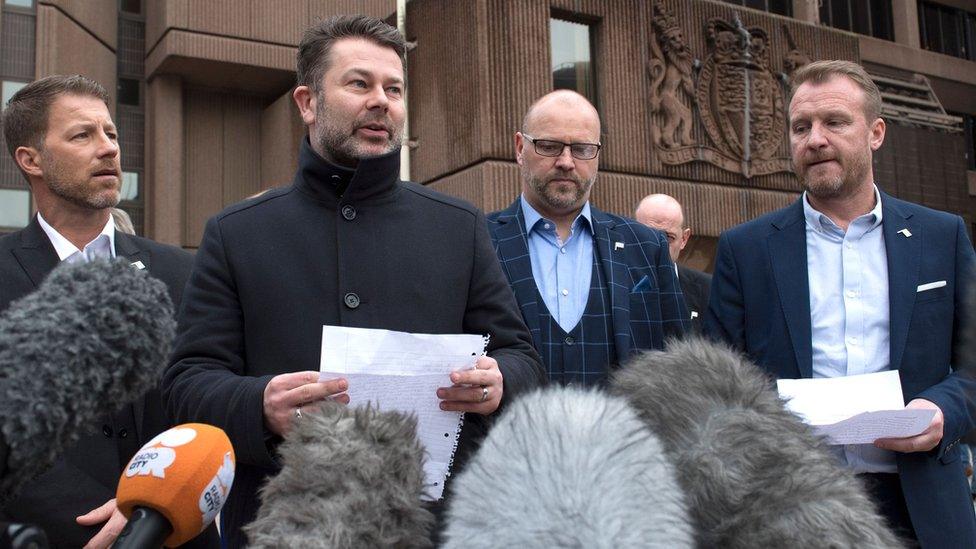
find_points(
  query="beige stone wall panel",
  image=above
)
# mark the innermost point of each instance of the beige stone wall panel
(447, 114)
(163, 15)
(282, 130)
(222, 155)
(883, 52)
(165, 138)
(98, 17)
(275, 21)
(65, 48)
(326, 8)
(926, 167)
(221, 62)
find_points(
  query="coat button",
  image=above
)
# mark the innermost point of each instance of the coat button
(351, 300)
(107, 431)
(348, 212)
(570, 340)
(123, 433)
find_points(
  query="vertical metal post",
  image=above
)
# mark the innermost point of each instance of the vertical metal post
(401, 13)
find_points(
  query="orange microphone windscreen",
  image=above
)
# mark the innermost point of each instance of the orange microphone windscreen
(185, 473)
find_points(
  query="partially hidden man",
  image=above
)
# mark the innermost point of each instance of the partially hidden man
(346, 244)
(664, 213)
(849, 280)
(60, 133)
(593, 287)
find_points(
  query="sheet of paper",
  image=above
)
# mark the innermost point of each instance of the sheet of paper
(867, 427)
(836, 407)
(402, 371)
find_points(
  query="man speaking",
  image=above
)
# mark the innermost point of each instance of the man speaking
(346, 244)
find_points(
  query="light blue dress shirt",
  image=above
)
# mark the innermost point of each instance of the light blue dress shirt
(562, 270)
(849, 310)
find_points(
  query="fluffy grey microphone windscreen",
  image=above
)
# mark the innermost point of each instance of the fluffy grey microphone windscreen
(568, 467)
(350, 478)
(754, 474)
(93, 337)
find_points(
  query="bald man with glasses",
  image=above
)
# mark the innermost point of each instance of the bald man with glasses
(593, 288)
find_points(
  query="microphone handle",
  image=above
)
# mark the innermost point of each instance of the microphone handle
(22, 536)
(147, 528)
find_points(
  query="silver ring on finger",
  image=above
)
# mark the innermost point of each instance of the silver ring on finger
(484, 393)
(298, 413)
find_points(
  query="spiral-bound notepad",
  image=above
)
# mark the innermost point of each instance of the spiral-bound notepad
(402, 371)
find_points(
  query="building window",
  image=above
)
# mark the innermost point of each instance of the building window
(130, 186)
(947, 30)
(131, 6)
(782, 7)
(129, 91)
(28, 4)
(572, 57)
(14, 208)
(8, 88)
(870, 17)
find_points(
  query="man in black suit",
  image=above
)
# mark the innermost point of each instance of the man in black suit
(346, 244)
(60, 133)
(664, 213)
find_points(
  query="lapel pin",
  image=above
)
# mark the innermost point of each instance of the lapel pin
(905, 232)
(137, 265)
(618, 246)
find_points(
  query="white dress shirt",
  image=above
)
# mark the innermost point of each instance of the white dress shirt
(849, 310)
(101, 247)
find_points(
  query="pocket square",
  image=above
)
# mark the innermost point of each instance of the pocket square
(643, 285)
(930, 286)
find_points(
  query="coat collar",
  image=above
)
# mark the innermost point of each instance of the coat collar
(904, 257)
(373, 179)
(35, 253)
(788, 257)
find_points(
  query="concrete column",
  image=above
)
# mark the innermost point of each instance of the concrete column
(806, 11)
(165, 165)
(904, 19)
(282, 131)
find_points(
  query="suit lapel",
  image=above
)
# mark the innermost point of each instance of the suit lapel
(788, 256)
(904, 254)
(513, 253)
(127, 247)
(36, 254)
(617, 277)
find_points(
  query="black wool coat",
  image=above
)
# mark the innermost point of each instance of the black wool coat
(355, 248)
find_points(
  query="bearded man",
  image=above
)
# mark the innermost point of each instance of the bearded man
(839, 284)
(593, 287)
(346, 244)
(59, 131)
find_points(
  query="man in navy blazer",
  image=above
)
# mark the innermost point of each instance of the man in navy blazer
(593, 287)
(849, 280)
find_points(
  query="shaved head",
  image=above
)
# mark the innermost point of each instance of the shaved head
(559, 100)
(663, 212)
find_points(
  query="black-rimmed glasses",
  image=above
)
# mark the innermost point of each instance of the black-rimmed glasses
(548, 147)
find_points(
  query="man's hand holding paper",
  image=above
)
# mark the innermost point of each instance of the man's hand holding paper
(928, 439)
(286, 394)
(477, 391)
(864, 409)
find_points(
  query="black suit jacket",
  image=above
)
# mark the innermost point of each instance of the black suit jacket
(88, 473)
(695, 285)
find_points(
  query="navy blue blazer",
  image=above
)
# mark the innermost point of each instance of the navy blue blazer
(760, 303)
(628, 251)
